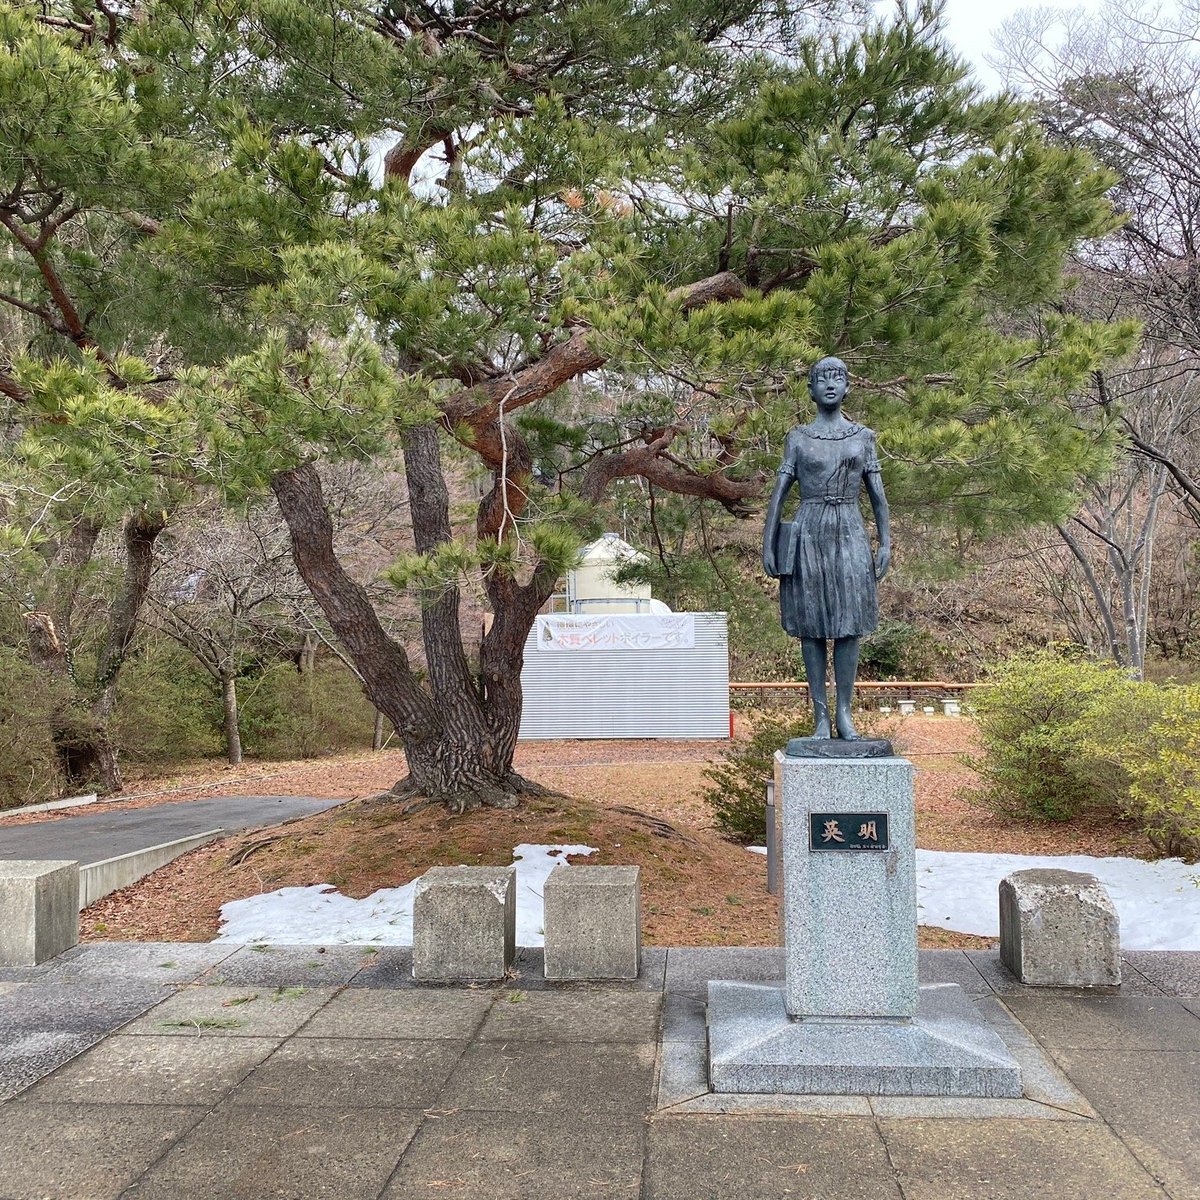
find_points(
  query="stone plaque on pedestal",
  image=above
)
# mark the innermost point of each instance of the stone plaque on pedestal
(850, 1018)
(851, 929)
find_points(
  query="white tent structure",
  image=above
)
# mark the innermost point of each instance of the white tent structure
(592, 588)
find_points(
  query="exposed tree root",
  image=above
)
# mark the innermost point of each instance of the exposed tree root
(499, 793)
(656, 825)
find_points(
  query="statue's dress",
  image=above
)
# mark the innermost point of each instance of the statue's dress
(826, 569)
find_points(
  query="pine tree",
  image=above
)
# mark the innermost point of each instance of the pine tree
(568, 244)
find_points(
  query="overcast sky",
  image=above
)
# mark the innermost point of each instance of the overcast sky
(972, 24)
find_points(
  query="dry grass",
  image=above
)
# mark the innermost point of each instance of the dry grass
(638, 802)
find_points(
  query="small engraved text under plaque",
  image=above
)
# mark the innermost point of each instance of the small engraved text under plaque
(847, 831)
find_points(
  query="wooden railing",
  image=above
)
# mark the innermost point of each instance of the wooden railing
(901, 689)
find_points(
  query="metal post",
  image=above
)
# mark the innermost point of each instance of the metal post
(772, 841)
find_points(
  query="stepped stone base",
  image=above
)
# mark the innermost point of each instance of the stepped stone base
(947, 1049)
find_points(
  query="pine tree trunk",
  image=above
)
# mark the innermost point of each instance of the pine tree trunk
(459, 750)
(81, 746)
(233, 732)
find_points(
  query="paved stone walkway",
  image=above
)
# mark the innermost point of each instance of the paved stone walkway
(93, 835)
(206, 1070)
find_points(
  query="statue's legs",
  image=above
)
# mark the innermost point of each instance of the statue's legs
(845, 669)
(815, 663)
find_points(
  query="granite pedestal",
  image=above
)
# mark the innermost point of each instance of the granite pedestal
(850, 1018)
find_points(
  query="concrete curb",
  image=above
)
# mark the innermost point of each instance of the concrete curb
(99, 879)
(51, 805)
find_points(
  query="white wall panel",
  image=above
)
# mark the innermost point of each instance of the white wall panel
(668, 693)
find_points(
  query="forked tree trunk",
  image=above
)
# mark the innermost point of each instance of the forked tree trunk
(82, 748)
(86, 753)
(458, 744)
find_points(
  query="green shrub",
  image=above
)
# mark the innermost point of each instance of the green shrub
(1163, 767)
(289, 714)
(168, 708)
(885, 653)
(1050, 725)
(737, 796)
(28, 765)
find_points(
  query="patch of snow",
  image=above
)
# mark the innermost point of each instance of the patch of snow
(1158, 902)
(322, 915)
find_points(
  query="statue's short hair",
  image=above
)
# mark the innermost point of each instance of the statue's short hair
(825, 363)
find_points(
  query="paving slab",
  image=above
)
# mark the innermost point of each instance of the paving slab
(243, 1153)
(77, 1006)
(683, 1018)
(10, 975)
(598, 1077)
(5, 988)
(348, 1073)
(774, 1106)
(415, 1013)
(1002, 981)
(528, 972)
(1042, 1081)
(689, 969)
(761, 1158)
(83, 1151)
(200, 1011)
(1108, 1022)
(1177, 972)
(384, 967)
(951, 966)
(682, 1073)
(289, 966)
(587, 1015)
(28, 1055)
(500, 1156)
(1144, 1095)
(1013, 1160)
(154, 962)
(154, 1070)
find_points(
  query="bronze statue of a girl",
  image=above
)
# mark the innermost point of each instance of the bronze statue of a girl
(822, 558)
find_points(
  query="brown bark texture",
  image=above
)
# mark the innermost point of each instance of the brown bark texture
(86, 753)
(458, 723)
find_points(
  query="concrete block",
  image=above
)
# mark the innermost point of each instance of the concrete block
(907, 707)
(849, 915)
(593, 923)
(39, 910)
(951, 708)
(464, 923)
(1059, 929)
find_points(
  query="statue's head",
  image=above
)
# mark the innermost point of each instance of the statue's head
(828, 380)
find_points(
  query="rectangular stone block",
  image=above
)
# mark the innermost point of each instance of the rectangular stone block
(849, 915)
(1059, 929)
(39, 910)
(464, 923)
(593, 923)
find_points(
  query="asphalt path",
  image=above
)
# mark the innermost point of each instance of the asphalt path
(99, 835)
